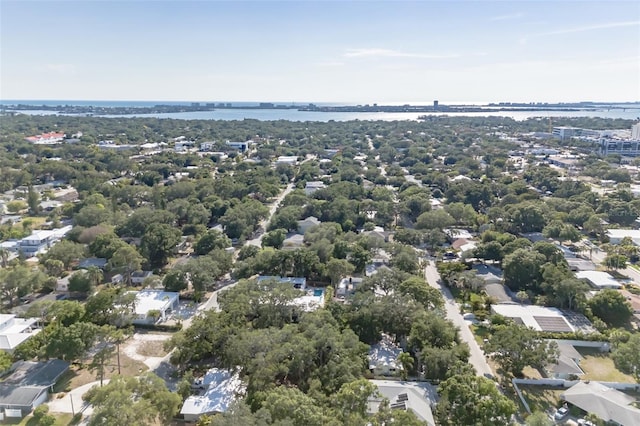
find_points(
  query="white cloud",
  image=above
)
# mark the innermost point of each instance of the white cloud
(591, 28)
(507, 17)
(389, 53)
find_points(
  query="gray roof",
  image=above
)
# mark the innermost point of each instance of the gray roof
(12, 396)
(27, 373)
(607, 403)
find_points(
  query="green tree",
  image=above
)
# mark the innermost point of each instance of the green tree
(627, 356)
(132, 401)
(175, 280)
(125, 260)
(611, 307)
(33, 200)
(514, 347)
(213, 239)
(5, 361)
(274, 238)
(94, 275)
(522, 269)
(79, 282)
(338, 269)
(65, 251)
(406, 361)
(472, 400)
(158, 242)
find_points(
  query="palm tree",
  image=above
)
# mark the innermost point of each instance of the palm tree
(406, 361)
(4, 256)
(94, 275)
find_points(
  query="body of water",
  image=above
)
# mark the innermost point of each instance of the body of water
(628, 111)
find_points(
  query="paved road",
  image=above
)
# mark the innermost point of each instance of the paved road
(477, 358)
(272, 210)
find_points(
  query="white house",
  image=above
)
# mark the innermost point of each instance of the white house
(221, 389)
(347, 286)
(617, 235)
(598, 279)
(537, 317)
(414, 396)
(287, 159)
(383, 358)
(40, 241)
(14, 331)
(163, 302)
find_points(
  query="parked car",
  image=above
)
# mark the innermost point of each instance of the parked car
(561, 413)
(583, 422)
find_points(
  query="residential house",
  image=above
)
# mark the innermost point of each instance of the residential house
(152, 306)
(568, 365)
(598, 279)
(347, 286)
(98, 262)
(418, 397)
(313, 186)
(607, 403)
(40, 241)
(51, 138)
(298, 282)
(383, 358)
(293, 242)
(537, 317)
(14, 331)
(287, 159)
(220, 389)
(138, 277)
(28, 386)
(307, 223)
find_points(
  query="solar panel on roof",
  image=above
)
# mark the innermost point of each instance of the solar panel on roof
(557, 324)
(398, 406)
(403, 397)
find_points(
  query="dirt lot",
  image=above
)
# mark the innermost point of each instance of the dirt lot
(77, 376)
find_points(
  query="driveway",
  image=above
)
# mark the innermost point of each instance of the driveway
(453, 314)
(72, 401)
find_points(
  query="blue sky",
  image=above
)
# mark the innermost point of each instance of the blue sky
(320, 51)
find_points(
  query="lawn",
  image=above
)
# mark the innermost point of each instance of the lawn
(541, 398)
(62, 419)
(599, 366)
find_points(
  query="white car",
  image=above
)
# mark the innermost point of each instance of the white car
(561, 413)
(583, 422)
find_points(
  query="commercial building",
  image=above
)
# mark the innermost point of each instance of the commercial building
(240, 146)
(627, 147)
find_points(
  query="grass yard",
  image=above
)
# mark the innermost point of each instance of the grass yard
(62, 419)
(541, 398)
(599, 366)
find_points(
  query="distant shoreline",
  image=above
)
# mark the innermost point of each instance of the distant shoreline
(136, 108)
